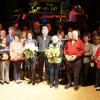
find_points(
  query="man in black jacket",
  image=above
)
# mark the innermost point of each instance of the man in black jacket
(43, 42)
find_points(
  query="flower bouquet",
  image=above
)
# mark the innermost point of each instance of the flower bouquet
(53, 55)
(4, 41)
(30, 51)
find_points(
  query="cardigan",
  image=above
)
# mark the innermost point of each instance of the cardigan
(88, 53)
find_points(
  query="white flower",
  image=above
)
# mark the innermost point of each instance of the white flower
(31, 47)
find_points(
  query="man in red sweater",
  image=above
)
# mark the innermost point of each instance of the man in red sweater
(73, 51)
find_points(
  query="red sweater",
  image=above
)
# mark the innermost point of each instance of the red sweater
(78, 48)
(96, 56)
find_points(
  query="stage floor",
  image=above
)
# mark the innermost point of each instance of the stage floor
(42, 91)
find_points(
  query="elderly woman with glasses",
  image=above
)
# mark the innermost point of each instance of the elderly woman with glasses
(16, 56)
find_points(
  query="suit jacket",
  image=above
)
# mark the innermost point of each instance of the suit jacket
(9, 39)
(43, 44)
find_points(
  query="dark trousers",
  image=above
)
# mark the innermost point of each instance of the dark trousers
(41, 60)
(16, 69)
(11, 68)
(73, 68)
(54, 73)
(85, 73)
(98, 77)
(23, 69)
(92, 75)
(62, 69)
(31, 68)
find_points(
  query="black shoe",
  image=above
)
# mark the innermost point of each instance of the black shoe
(33, 83)
(7, 82)
(97, 88)
(29, 82)
(68, 85)
(48, 82)
(40, 80)
(2, 83)
(95, 85)
(51, 85)
(76, 87)
(56, 86)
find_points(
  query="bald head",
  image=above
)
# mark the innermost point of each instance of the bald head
(45, 31)
(75, 35)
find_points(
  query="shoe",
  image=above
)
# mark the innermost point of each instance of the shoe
(2, 83)
(56, 86)
(97, 88)
(29, 82)
(51, 85)
(18, 82)
(40, 80)
(68, 85)
(7, 82)
(33, 83)
(48, 82)
(95, 85)
(76, 87)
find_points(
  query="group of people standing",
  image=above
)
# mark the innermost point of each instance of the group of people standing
(77, 55)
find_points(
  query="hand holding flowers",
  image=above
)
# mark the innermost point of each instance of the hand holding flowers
(70, 57)
(53, 55)
(30, 51)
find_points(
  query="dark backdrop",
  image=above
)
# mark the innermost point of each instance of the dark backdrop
(92, 8)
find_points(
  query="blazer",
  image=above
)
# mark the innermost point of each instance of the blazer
(43, 44)
(9, 39)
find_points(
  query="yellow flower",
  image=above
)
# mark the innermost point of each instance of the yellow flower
(53, 55)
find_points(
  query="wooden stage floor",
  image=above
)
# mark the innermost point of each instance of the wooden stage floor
(42, 91)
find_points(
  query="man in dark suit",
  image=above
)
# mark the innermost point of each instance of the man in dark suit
(10, 35)
(9, 38)
(43, 41)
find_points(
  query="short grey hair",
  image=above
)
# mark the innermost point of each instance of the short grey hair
(10, 28)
